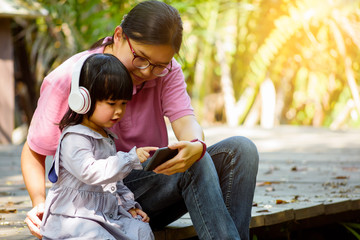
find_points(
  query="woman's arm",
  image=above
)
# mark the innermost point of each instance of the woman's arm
(33, 170)
(186, 129)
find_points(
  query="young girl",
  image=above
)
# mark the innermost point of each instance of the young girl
(88, 199)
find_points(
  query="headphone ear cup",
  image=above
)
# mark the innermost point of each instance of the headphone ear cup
(86, 100)
(80, 101)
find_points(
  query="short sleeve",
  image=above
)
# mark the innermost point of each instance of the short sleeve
(44, 132)
(176, 102)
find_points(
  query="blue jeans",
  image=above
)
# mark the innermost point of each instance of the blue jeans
(217, 191)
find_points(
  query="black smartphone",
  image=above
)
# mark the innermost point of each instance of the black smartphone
(160, 156)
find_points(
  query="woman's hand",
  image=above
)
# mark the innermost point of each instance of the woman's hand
(138, 212)
(189, 153)
(144, 153)
(33, 219)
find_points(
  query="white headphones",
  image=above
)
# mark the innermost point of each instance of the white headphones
(79, 98)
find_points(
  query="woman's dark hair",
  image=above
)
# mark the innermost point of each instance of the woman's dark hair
(105, 77)
(152, 22)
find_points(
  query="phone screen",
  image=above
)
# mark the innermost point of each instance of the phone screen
(160, 156)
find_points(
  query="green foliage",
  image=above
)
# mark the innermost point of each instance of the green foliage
(309, 49)
(71, 26)
(354, 228)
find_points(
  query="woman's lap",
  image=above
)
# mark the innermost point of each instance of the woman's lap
(166, 198)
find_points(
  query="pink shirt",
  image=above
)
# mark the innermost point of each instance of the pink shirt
(142, 125)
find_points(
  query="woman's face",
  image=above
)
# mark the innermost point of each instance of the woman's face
(156, 54)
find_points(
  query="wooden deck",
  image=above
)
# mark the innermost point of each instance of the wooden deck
(307, 177)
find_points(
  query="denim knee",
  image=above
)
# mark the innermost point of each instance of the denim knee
(245, 150)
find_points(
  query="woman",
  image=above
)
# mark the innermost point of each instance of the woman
(217, 190)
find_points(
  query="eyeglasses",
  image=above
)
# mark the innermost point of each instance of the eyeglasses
(142, 63)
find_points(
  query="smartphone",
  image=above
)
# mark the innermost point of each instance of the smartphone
(160, 156)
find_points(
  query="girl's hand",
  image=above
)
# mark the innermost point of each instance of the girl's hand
(33, 219)
(138, 212)
(144, 153)
(189, 153)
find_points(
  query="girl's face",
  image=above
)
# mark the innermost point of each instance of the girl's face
(156, 54)
(106, 114)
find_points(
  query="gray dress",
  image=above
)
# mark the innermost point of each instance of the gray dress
(88, 199)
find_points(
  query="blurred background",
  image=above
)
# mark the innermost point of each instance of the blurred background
(246, 62)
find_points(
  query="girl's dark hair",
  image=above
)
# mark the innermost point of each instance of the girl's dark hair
(105, 77)
(152, 22)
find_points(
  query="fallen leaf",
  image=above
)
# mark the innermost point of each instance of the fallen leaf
(342, 177)
(266, 183)
(263, 210)
(263, 183)
(5, 193)
(8, 210)
(295, 199)
(296, 169)
(279, 201)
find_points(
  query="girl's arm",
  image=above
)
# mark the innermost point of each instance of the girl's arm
(33, 170)
(127, 197)
(135, 212)
(129, 204)
(77, 157)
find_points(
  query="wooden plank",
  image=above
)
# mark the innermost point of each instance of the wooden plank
(180, 229)
(355, 204)
(257, 221)
(314, 171)
(278, 215)
(267, 212)
(180, 233)
(303, 211)
(160, 235)
(184, 221)
(338, 206)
